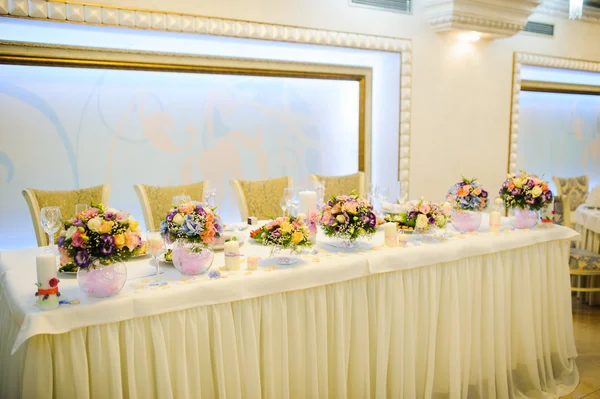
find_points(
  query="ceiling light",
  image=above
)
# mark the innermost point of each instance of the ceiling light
(575, 9)
(469, 36)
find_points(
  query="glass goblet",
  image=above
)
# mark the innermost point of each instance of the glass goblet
(181, 199)
(209, 196)
(155, 246)
(51, 220)
(79, 208)
(284, 205)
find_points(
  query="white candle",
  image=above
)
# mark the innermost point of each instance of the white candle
(155, 244)
(308, 201)
(253, 262)
(232, 252)
(496, 218)
(390, 231)
(46, 269)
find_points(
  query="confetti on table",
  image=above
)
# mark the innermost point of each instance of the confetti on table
(145, 280)
(315, 259)
(248, 273)
(214, 274)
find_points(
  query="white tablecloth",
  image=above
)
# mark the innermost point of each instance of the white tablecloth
(476, 316)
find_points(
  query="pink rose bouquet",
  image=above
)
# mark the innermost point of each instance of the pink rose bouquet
(468, 195)
(285, 232)
(348, 217)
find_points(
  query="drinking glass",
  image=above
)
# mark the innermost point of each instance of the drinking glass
(155, 246)
(399, 192)
(295, 201)
(372, 193)
(51, 220)
(80, 208)
(288, 195)
(209, 196)
(180, 199)
(320, 189)
(284, 205)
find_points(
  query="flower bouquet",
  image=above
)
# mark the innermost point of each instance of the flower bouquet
(421, 216)
(525, 195)
(348, 218)
(193, 228)
(286, 235)
(96, 242)
(468, 199)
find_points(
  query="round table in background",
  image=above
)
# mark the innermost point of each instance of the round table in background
(587, 223)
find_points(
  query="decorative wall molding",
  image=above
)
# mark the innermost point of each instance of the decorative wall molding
(519, 60)
(84, 13)
(492, 18)
(561, 9)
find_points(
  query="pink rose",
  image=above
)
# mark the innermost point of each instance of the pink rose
(336, 209)
(351, 207)
(132, 240)
(425, 208)
(313, 216)
(121, 216)
(272, 224)
(326, 218)
(90, 213)
(186, 208)
(64, 256)
(77, 240)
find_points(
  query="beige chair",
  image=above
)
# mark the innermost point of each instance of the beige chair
(260, 198)
(156, 201)
(575, 188)
(342, 185)
(65, 200)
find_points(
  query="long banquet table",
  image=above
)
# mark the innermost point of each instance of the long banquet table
(475, 316)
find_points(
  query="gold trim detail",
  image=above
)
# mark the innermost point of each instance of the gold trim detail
(87, 13)
(553, 87)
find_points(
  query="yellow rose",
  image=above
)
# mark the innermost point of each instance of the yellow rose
(133, 226)
(105, 227)
(536, 191)
(297, 237)
(119, 240)
(285, 227)
(518, 183)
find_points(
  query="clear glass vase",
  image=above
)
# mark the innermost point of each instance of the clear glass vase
(101, 281)
(285, 256)
(192, 258)
(344, 243)
(523, 218)
(466, 221)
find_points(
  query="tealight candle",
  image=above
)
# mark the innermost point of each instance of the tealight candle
(253, 262)
(496, 218)
(308, 201)
(390, 230)
(232, 255)
(47, 283)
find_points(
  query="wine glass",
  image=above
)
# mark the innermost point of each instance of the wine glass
(288, 195)
(382, 194)
(295, 201)
(180, 199)
(51, 220)
(399, 192)
(372, 193)
(79, 208)
(320, 189)
(209, 196)
(284, 205)
(155, 246)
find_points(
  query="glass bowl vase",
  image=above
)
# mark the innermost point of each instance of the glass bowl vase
(101, 281)
(466, 221)
(523, 218)
(192, 258)
(285, 256)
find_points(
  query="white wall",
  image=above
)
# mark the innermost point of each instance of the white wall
(461, 96)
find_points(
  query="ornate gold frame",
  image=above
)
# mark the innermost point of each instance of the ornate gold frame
(17, 53)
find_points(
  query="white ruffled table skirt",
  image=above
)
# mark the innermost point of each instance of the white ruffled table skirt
(490, 326)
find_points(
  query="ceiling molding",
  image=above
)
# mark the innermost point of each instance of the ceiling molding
(560, 8)
(132, 18)
(491, 18)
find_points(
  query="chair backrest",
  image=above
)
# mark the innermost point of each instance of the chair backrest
(576, 188)
(342, 185)
(156, 201)
(260, 198)
(562, 210)
(65, 200)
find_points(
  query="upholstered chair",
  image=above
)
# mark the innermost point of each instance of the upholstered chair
(584, 263)
(260, 198)
(562, 209)
(342, 185)
(156, 201)
(65, 200)
(576, 188)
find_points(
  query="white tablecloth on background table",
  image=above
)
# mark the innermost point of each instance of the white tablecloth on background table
(587, 224)
(478, 315)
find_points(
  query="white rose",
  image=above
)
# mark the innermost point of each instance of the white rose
(422, 221)
(94, 224)
(536, 191)
(178, 219)
(518, 183)
(70, 231)
(446, 208)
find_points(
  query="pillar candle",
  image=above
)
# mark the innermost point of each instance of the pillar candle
(47, 283)
(308, 201)
(391, 234)
(496, 218)
(232, 255)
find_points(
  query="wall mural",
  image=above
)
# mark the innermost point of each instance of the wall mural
(559, 135)
(67, 128)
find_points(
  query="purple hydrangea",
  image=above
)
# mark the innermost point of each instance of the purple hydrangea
(82, 257)
(107, 245)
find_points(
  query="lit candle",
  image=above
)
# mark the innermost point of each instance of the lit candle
(390, 230)
(308, 201)
(232, 255)
(47, 295)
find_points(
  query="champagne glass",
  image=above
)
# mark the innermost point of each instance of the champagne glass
(180, 199)
(79, 208)
(51, 220)
(155, 246)
(209, 196)
(284, 205)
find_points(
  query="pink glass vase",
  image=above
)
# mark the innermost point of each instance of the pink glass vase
(466, 221)
(523, 218)
(192, 258)
(100, 281)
